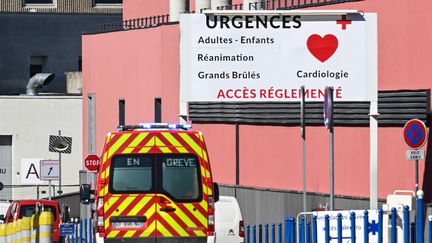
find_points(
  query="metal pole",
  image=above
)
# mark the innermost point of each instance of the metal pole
(303, 135)
(49, 189)
(339, 228)
(406, 229)
(380, 225)
(330, 116)
(372, 84)
(237, 147)
(430, 228)
(420, 237)
(393, 226)
(59, 191)
(327, 228)
(416, 175)
(353, 227)
(366, 226)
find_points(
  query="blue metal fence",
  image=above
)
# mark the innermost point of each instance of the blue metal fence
(412, 231)
(77, 231)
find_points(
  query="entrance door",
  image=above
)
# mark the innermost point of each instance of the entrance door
(6, 166)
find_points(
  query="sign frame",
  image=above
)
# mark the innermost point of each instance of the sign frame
(191, 63)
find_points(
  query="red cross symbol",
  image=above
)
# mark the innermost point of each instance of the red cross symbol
(344, 21)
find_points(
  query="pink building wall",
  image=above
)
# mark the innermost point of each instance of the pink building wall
(136, 66)
(133, 9)
(140, 65)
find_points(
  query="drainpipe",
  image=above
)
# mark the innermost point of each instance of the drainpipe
(252, 5)
(201, 4)
(219, 3)
(176, 8)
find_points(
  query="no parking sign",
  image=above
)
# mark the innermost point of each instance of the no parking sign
(415, 133)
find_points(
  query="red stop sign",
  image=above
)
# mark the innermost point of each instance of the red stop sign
(91, 162)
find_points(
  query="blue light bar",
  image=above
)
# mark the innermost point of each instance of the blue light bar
(155, 126)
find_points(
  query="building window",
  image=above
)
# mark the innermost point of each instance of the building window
(80, 63)
(37, 65)
(39, 4)
(38, 1)
(122, 110)
(96, 2)
(158, 110)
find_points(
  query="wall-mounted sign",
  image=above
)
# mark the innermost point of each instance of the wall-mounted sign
(49, 170)
(30, 171)
(268, 58)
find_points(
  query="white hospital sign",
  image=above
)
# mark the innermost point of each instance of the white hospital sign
(269, 57)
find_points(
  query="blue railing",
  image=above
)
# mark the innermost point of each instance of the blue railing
(77, 231)
(412, 231)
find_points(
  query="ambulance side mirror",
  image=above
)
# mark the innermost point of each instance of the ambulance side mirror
(66, 213)
(216, 191)
(85, 194)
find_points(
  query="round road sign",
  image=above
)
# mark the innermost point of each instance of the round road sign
(91, 162)
(415, 133)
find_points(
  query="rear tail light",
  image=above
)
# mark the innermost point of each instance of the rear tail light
(241, 229)
(100, 221)
(211, 202)
(211, 226)
(211, 217)
(100, 216)
(100, 204)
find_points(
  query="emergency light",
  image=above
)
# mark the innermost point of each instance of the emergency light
(154, 126)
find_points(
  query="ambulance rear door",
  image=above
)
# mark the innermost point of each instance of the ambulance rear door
(182, 207)
(130, 207)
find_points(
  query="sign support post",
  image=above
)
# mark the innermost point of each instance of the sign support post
(49, 170)
(328, 122)
(59, 191)
(49, 190)
(330, 94)
(303, 135)
(416, 175)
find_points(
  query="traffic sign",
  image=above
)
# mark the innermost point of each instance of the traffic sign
(49, 170)
(415, 154)
(67, 229)
(91, 162)
(415, 133)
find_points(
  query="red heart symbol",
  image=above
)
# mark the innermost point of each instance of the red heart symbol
(322, 48)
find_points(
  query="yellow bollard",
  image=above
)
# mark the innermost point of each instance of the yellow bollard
(46, 222)
(34, 238)
(17, 228)
(10, 232)
(25, 230)
(3, 233)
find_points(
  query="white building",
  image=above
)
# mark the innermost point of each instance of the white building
(26, 123)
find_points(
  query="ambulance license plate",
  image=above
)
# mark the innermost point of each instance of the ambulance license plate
(128, 224)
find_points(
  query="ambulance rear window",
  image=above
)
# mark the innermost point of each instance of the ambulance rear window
(181, 176)
(131, 173)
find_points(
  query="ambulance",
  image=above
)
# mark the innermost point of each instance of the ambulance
(154, 184)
